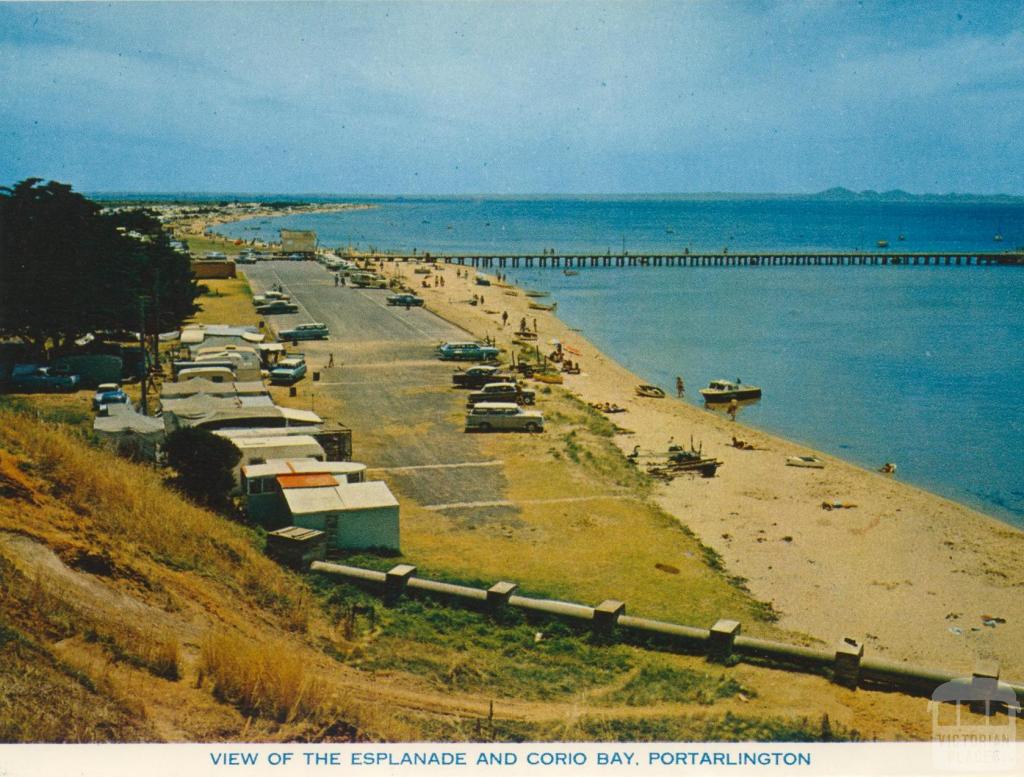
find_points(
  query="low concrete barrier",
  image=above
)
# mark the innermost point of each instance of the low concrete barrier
(723, 642)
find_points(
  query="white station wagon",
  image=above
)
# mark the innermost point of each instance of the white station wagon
(495, 416)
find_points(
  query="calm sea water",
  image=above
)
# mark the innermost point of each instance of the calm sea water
(920, 366)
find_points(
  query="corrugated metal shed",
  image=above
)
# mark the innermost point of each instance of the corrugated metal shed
(350, 496)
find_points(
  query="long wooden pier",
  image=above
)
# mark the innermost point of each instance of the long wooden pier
(759, 259)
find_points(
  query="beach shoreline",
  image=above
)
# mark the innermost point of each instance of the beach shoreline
(204, 225)
(915, 576)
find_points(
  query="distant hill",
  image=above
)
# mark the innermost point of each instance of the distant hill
(840, 194)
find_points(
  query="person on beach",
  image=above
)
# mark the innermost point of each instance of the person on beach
(330, 361)
(734, 408)
(442, 280)
(336, 281)
(535, 326)
(504, 318)
(680, 387)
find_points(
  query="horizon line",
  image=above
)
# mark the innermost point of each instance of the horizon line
(538, 195)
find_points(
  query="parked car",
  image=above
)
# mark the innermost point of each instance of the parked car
(245, 258)
(503, 416)
(406, 300)
(502, 392)
(312, 331)
(270, 296)
(455, 344)
(277, 306)
(368, 280)
(108, 394)
(470, 352)
(32, 377)
(479, 375)
(289, 370)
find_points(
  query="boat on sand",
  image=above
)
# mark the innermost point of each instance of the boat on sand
(643, 390)
(726, 390)
(812, 462)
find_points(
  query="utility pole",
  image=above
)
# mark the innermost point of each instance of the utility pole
(145, 354)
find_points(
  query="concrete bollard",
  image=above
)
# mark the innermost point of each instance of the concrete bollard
(499, 594)
(606, 616)
(846, 670)
(722, 638)
(316, 375)
(396, 580)
(984, 684)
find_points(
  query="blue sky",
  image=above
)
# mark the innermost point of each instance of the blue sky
(534, 97)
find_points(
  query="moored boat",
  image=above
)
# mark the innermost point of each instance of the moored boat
(726, 390)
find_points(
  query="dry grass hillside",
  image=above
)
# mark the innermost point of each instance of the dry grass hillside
(130, 614)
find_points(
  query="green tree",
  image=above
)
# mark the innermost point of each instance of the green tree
(162, 275)
(67, 269)
(205, 464)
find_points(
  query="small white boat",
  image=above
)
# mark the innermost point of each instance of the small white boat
(725, 390)
(812, 462)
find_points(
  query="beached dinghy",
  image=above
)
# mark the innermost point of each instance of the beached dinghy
(537, 294)
(643, 390)
(812, 462)
(538, 306)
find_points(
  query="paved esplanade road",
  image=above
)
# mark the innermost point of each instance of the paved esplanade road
(393, 391)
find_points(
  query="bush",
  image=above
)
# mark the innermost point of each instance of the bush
(205, 464)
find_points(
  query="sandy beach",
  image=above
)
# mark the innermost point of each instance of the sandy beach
(915, 576)
(204, 224)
